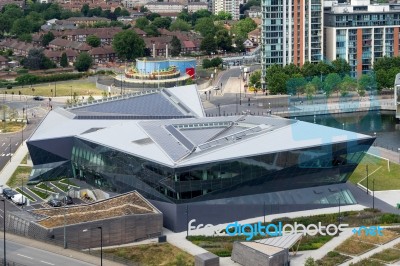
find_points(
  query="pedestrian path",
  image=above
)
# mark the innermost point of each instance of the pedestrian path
(10, 167)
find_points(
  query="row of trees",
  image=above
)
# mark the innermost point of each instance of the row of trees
(22, 22)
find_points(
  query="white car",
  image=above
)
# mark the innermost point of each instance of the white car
(19, 199)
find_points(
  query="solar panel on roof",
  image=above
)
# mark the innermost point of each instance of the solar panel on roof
(181, 138)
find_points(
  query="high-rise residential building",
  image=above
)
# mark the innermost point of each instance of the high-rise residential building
(230, 6)
(292, 32)
(361, 32)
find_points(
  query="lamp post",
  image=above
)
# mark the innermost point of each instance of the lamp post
(373, 194)
(10, 148)
(65, 218)
(101, 242)
(4, 231)
(366, 168)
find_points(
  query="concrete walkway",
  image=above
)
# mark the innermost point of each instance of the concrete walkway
(10, 167)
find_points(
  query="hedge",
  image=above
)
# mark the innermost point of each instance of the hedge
(27, 79)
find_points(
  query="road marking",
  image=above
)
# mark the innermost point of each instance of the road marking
(47, 262)
(16, 144)
(3, 154)
(24, 256)
(3, 144)
(8, 154)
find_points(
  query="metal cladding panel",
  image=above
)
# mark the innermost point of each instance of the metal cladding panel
(57, 150)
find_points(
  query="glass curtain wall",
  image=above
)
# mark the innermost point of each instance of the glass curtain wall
(116, 171)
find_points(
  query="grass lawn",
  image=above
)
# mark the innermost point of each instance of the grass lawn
(7, 127)
(153, 254)
(388, 235)
(387, 255)
(368, 262)
(20, 175)
(384, 180)
(26, 195)
(81, 87)
(25, 160)
(39, 193)
(332, 258)
(60, 186)
(45, 187)
(66, 181)
(354, 247)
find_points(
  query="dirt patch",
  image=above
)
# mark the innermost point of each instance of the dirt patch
(119, 206)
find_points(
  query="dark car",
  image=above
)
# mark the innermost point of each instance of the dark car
(67, 200)
(38, 98)
(55, 203)
(8, 193)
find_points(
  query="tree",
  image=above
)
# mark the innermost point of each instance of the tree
(323, 68)
(331, 83)
(341, 67)
(202, 13)
(175, 46)
(26, 37)
(21, 26)
(224, 40)
(205, 26)
(291, 70)
(37, 60)
(255, 79)
(310, 90)
(368, 82)
(277, 83)
(160, 22)
(143, 9)
(64, 60)
(93, 40)
(85, 10)
(207, 63)
(152, 16)
(128, 45)
(239, 44)
(244, 26)
(47, 38)
(223, 15)
(296, 84)
(180, 25)
(309, 70)
(83, 62)
(151, 30)
(142, 22)
(216, 61)
(317, 83)
(208, 44)
(184, 15)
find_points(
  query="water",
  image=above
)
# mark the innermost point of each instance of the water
(383, 123)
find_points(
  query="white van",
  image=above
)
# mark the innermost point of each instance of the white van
(19, 199)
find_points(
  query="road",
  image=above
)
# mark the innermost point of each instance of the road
(25, 255)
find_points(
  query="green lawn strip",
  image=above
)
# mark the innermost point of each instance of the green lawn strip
(25, 160)
(388, 255)
(152, 254)
(332, 258)
(384, 179)
(45, 187)
(26, 195)
(60, 186)
(66, 181)
(21, 174)
(39, 193)
(352, 247)
(313, 242)
(368, 262)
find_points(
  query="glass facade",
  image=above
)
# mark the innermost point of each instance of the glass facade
(116, 171)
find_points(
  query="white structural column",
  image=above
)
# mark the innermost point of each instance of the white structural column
(284, 33)
(290, 26)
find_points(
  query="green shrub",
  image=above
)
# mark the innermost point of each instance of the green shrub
(389, 218)
(33, 79)
(332, 254)
(22, 71)
(9, 87)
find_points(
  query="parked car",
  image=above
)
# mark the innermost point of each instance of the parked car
(8, 193)
(18, 199)
(55, 203)
(67, 200)
(38, 98)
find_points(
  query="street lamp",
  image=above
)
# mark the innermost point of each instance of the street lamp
(4, 231)
(366, 168)
(373, 194)
(101, 242)
(65, 217)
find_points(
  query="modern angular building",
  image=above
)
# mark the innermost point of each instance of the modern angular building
(212, 169)
(361, 32)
